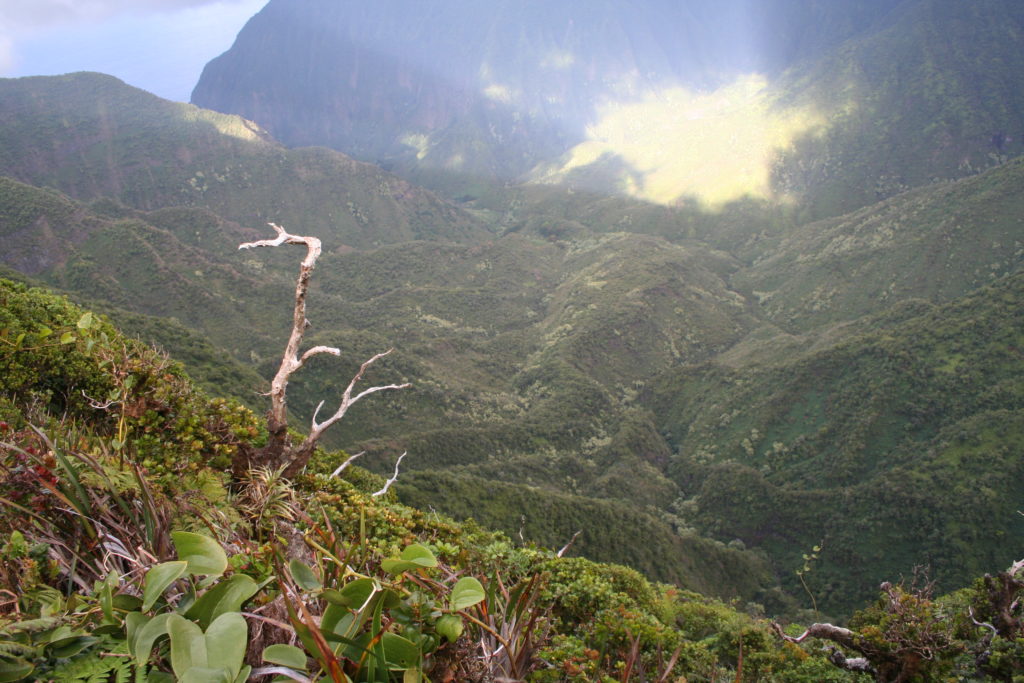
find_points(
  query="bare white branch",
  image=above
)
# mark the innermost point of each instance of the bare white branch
(99, 405)
(279, 447)
(981, 624)
(318, 350)
(290, 361)
(281, 237)
(836, 634)
(347, 401)
(569, 544)
(348, 461)
(393, 479)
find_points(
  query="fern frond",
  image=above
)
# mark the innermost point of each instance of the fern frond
(95, 667)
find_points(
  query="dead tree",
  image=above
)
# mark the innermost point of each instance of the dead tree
(280, 451)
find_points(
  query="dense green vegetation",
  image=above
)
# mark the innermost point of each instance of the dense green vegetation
(167, 560)
(110, 140)
(601, 365)
(115, 432)
(908, 430)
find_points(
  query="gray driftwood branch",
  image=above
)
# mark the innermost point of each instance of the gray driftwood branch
(279, 449)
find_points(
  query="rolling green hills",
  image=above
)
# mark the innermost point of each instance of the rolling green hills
(908, 429)
(106, 139)
(687, 377)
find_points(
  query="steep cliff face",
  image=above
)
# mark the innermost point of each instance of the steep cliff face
(836, 105)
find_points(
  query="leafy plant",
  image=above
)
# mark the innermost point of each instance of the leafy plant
(372, 628)
(200, 616)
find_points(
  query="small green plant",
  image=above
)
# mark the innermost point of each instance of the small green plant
(192, 603)
(809, 560)
(371, 628)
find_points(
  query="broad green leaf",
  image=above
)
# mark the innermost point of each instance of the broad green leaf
(285, 655)
(85, 322)
(226, 640)
(415, 556)
(134, 622)
(449, 626)
(304, 576)
(69, 647)
(203, 554)
(333, 596)
(227, 596)
(127, 603)
(158, 579)
(333, 613)
(466, 593)
(243, 675)
(188, 645)
(67, 338)
(60, 633)
(44, 331)
(203, 674)
(400, 653)
(356, 593)
(147, 636)
(412, 676)
(14, 669)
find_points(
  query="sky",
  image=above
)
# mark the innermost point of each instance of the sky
(157, 45)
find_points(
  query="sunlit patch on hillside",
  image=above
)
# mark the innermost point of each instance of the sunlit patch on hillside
(419, 142)
(498, 93)
(226, 124)
(558, 59)
(711, 146)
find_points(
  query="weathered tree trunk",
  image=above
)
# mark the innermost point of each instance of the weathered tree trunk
(279, 450)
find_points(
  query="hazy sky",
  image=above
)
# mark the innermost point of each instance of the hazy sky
(158, 45)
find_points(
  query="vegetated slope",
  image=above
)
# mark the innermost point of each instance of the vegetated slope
(466, 319)
(896, 447)
(933, 92)
(146, 471)
(90, 136)
(533, 354)
(934, 243)
(168, 263)
(529, 358)
(606, 529)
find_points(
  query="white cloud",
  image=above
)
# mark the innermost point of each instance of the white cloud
(16, 15)
(158, 45)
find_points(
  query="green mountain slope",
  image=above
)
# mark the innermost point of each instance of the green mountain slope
(615, 363)
(935, 243)
(107, 139)
(145, 474)
(894, 447)
(934, 92)
(492, 335)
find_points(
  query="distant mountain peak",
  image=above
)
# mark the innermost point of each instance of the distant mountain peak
(858, 101)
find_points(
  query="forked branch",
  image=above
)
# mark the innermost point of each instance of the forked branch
(279, 449)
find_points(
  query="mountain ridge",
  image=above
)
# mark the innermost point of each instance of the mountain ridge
(546, 341)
